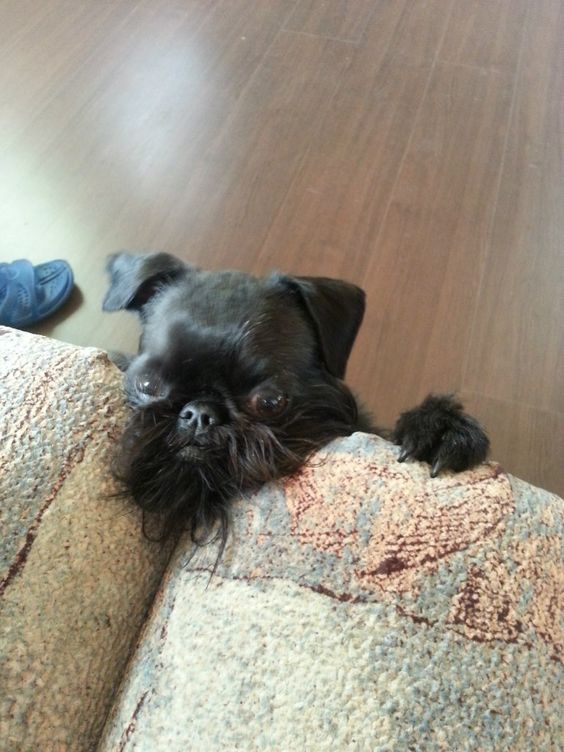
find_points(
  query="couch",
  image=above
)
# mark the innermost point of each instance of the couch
(359, 605)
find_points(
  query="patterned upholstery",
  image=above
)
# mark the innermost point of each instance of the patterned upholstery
(76, 575)
(361, 605)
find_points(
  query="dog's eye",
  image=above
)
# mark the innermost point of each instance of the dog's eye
(151, 386)
(268, 404)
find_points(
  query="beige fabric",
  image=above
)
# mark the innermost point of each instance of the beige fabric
(76, 575)
(363, 606)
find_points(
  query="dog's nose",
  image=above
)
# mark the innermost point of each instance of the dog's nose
(199, 417)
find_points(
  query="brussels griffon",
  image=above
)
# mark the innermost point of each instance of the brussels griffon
(239, 379)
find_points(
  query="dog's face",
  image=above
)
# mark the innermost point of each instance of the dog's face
(237, 380)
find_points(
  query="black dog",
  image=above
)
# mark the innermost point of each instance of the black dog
(238, 381)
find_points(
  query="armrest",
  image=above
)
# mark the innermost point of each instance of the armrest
(76, 574)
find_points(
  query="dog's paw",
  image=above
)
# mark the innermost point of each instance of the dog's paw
(440, 433)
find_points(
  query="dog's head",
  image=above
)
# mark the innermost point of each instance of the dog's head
(237, 381)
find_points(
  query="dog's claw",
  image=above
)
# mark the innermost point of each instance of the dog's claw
(403, 455)
(438, 465)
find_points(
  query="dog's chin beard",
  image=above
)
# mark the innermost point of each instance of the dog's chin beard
(182, 486)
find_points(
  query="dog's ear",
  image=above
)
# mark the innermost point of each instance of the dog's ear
(335, 308)
(134, 279)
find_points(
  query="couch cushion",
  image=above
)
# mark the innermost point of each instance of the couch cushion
(76, 574)
(363, 605)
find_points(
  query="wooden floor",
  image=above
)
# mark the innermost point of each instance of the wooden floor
(415, 147)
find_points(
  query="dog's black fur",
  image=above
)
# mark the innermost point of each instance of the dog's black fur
(238, 380)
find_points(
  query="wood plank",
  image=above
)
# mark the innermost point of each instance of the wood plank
(54, 44)
(336, 204)
(222, 58)
(425, 270)
(99, 167)
(94, 74)
(485, 33)
(333, 19)
(233, 193)
(517, 348)
(59, 40)
(278, 114)
(525, 440)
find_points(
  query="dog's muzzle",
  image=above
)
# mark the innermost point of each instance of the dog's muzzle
(196, 422)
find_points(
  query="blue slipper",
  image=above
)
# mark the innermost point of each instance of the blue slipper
(30, 293)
